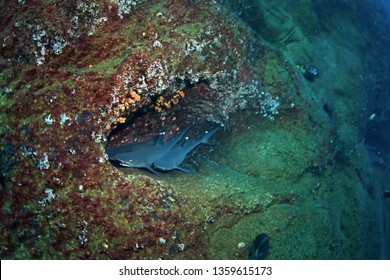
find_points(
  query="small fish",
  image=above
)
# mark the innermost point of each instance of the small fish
(261, 247)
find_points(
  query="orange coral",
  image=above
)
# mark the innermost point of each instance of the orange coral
(135, 96)
(121, 120)
(162, 103)
(124, 105)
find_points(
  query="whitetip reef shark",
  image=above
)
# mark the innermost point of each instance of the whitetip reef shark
(157, 154)
(174, 157)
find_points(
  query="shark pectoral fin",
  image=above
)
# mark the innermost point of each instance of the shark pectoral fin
(153, 171)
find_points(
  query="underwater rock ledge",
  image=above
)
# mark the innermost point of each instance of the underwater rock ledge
(80, 76)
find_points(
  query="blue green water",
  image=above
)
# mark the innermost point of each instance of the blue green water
(299, 169)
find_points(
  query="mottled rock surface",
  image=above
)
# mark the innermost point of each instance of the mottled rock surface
(79, 76)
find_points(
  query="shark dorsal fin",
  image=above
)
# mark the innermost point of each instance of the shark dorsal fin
(160, 139)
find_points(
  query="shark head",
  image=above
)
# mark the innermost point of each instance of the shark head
(131, 160)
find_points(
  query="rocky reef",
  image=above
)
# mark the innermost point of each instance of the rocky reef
(79, 76)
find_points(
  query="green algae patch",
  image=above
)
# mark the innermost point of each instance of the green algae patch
(280, 166)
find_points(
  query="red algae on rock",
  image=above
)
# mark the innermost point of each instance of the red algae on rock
(69, 85)
(79, 75)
